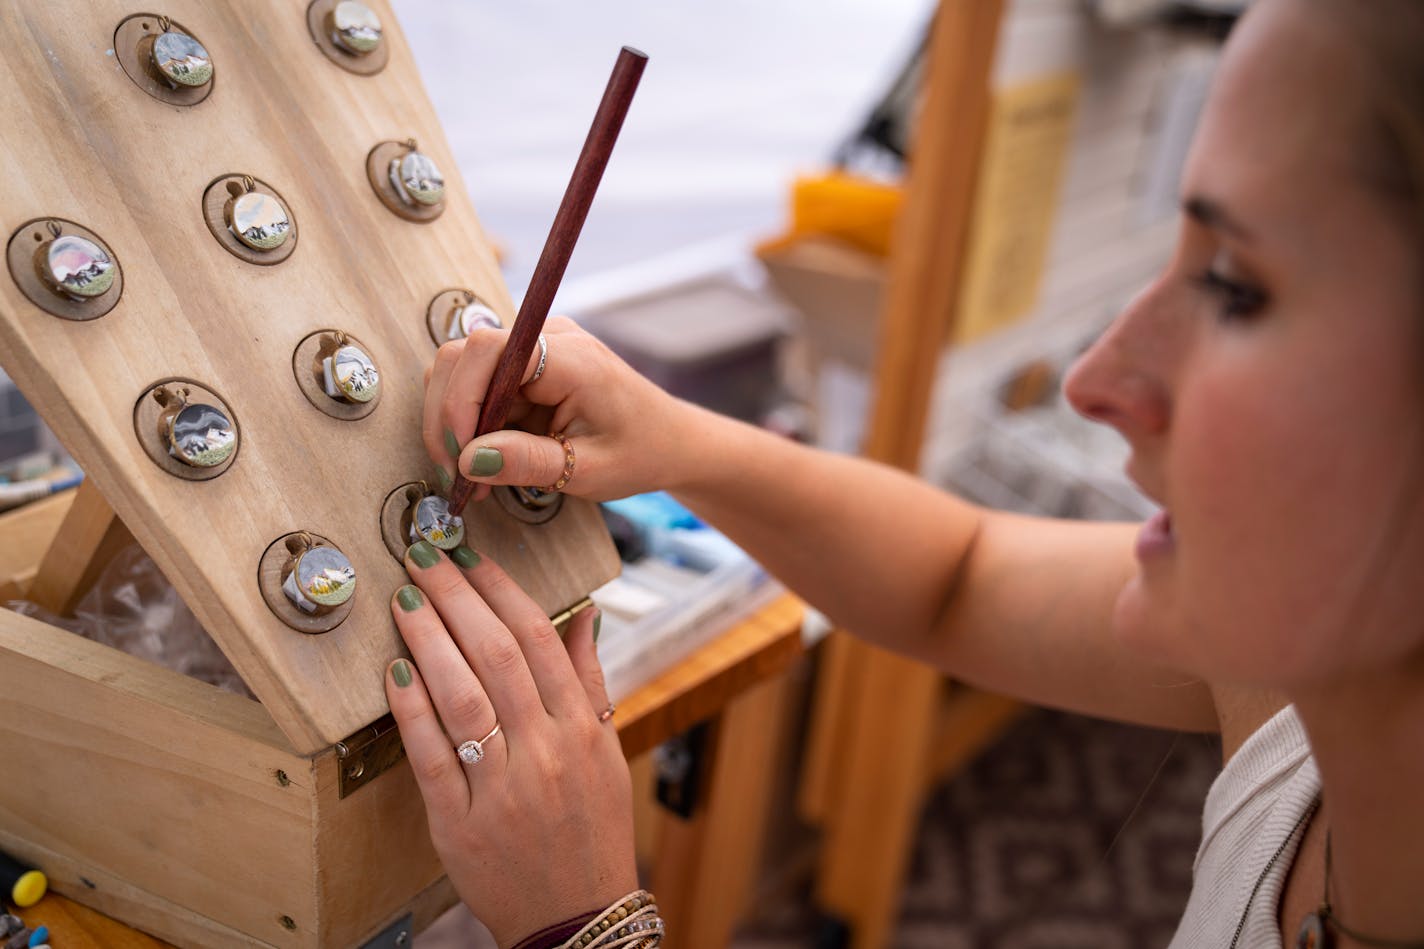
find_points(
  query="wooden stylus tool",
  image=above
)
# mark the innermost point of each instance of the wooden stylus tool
(588, 171)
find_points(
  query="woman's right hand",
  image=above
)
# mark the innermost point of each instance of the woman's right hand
(624, 429)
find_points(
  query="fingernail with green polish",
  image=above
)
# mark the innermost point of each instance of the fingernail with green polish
(597, 625)
(409, 598)
(443, 476)
(423, 553)
(465, 557)
(452, 447)
(487, 461)
(400, 671)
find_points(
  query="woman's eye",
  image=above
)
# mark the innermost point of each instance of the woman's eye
(1237, 300)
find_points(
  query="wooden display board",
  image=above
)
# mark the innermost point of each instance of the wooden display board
(201, 816)
(86, 144)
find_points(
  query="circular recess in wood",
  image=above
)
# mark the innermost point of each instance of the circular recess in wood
(219, 200)
(462, 304)
(321, 22)
(414, 502)
(393, 516)
(154, 412)
(378, 173)
(272, 571)
(529, 505)
(133, 48)
(307, 360)
(26, 256)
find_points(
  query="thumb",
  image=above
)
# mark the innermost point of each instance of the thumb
(513, 457)
(581, 642)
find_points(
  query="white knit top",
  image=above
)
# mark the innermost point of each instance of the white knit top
(1253, 810)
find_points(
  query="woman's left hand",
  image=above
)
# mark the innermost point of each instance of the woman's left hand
(540, 830)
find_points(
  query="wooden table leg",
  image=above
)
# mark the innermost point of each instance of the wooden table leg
(834, 705)
(885, 751)
(706, 867)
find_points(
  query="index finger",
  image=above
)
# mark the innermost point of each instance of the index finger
(464, 392)
(490, 649)
(456, 403)
(548, 660)
(443, 451)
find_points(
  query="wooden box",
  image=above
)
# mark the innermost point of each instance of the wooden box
(203, 817)
(182, 809)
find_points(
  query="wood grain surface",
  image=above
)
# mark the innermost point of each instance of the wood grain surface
(83, 142)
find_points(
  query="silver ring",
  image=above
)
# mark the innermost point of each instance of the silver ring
(472, 751)
(607, 713)
(543, 360)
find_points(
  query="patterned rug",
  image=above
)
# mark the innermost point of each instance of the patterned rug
(1068, 834)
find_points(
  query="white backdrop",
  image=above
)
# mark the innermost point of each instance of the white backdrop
(738, 97)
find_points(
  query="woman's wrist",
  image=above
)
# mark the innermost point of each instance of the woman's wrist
(713, 452)
(551, 937)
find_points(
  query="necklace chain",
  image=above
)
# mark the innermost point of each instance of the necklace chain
(1328, 919)
(1325, 916)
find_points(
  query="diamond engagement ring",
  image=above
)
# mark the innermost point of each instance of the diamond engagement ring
(473, 752)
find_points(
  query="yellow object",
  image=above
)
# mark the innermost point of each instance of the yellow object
(29, 889)
(1016, 202)
(856, 210)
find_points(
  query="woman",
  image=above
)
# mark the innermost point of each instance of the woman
(1269, 384)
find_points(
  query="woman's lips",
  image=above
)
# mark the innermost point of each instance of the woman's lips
(1155, 538)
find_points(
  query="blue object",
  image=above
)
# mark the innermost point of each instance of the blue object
(65, 484)
(40, 936)
(656, 510)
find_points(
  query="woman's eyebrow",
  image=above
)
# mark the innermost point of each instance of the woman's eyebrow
(1210, 214)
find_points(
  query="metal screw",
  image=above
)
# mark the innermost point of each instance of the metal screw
(402, 938)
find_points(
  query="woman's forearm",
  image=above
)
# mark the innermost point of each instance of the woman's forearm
(874, 548)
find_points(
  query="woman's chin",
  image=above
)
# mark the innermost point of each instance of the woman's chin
(1142, 624)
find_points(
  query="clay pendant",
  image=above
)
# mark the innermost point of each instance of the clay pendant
(1313, 934)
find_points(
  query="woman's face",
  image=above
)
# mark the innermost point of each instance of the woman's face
(1269, 382)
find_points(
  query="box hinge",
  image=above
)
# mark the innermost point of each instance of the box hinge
(561, 620)
(367, 754)
(398, 935)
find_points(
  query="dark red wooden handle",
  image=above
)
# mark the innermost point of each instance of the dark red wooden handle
(549, 272)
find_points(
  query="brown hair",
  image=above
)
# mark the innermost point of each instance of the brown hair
(1391, 33)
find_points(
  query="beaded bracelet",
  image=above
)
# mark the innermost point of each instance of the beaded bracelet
(631, 923)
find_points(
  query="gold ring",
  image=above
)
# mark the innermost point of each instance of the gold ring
(567, 474)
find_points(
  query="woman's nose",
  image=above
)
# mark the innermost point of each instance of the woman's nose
(1120, 381)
